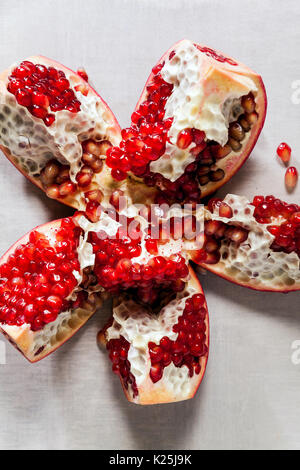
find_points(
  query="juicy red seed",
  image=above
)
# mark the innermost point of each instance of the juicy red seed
(38, 112)
(291, 177)
(82, 73)
(40, 99)
(284, 152)
(185, 138)
(225, 210)
(23, 97)
(49, 119)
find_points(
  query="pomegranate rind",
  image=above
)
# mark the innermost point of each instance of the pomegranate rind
(27, 341)
(101, 180)
(225, 75)
(281, 276)
(150, 393)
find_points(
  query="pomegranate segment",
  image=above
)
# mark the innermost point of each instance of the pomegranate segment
(61, 129)
(159, 357)
(257, 245)
(195, 124)
(41, 302)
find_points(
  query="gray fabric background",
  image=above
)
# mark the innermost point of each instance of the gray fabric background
(250, 396)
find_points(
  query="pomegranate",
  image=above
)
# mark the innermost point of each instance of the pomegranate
(256, 244)
(160, 356)
(54, 278)
(195, 124)
(42, 298)
(56, 129)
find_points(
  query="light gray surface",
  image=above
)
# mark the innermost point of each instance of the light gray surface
(250, 395)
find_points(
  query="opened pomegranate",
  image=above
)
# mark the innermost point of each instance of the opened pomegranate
(256, 244)
(64, 266)
(160, 356)
(44, 298)
(56, 129)
(195, 124)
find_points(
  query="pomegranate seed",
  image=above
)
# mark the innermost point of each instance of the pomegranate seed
(65, 189)
(23, 97)
(82, 73)
(184, 139)
(225, 210)
(38, 112)
(284, 152)
(291, 178)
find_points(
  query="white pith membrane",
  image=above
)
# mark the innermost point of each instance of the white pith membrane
(38, 344)
(206, 96)
(253, 262)
(32, 144)
(139, 326)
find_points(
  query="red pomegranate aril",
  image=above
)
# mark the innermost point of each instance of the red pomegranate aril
(225, 210)
(184, 138)
(94, 195)
(83, 179)
(53, 191)
(23, 97)
(65, 189)
(156, 372)
(38, 112)
(284, 152)
(39, 99)
(82, 73)
(291, 178)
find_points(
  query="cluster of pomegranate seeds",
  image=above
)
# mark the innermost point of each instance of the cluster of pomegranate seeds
(116, 270)
(189, 346)
(291, 178)
(118, 353)
(284, 152)
(215, 55)
(42, 90)
(287, 234)
(145, 140)
(268, 207)
(55, 177)
(38, 277)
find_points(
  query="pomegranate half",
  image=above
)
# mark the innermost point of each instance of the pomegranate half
(195, 124)
(160, 355)
(56, 129)
(256, 244)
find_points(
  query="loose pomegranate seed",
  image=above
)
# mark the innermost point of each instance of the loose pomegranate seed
(291, 178)
(284, 152)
